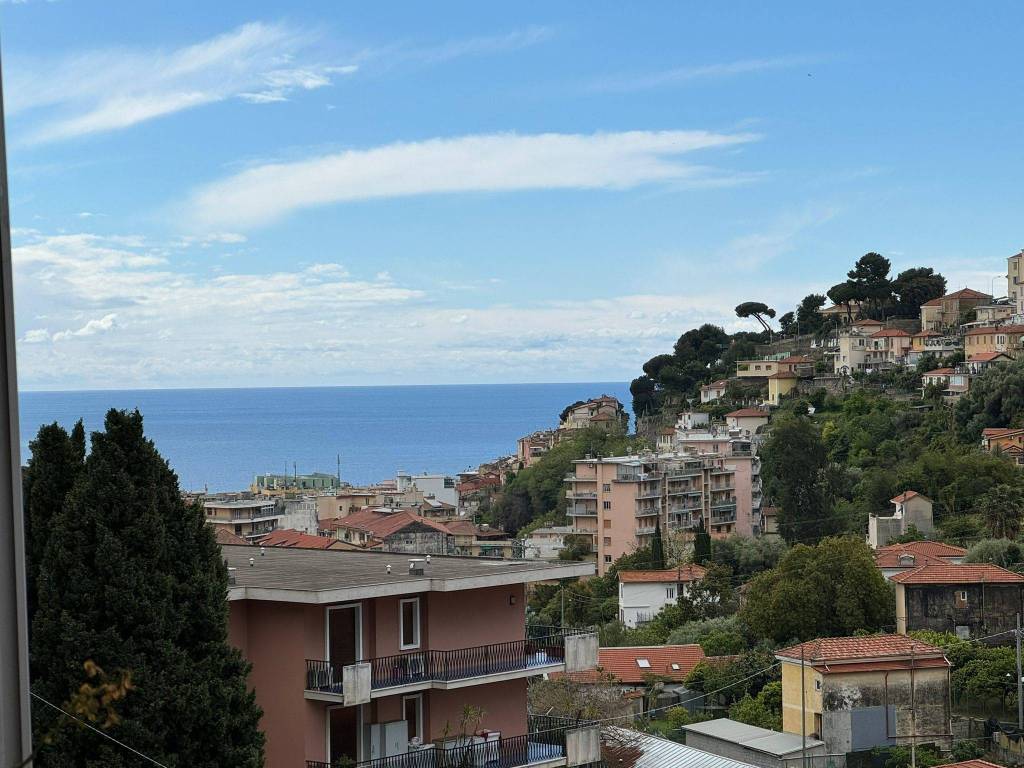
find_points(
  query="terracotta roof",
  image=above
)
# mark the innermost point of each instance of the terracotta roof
(868, 321)
(890, 558)
(926, 333)
(672, 661)
(985, 357)
(888, 332)
(784, 375)
(940, 372)
(880, 666)
(224, 536)
(970, 764)
(745, 413)
(999, 431)
(289, 538)
(985, 329)
(967, 293)
(907, 496)
(864, 648)
(382, 524)
(797, 359)
(966, 573)
(720, 384)
(602, 417)
(687, 572)
(934, 548)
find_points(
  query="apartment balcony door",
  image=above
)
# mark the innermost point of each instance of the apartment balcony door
(344, 726)
(344, 645)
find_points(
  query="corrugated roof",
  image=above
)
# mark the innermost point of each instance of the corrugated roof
(656, 752)
(965, 573)
(832, 650)
(687, 572)
(751, 737)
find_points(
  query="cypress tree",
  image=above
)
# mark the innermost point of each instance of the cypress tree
(657, 548)
(701, 545)
(133, 581)
(55, 460)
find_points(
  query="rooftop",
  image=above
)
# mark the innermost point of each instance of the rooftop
(966, 573)
(934, 548)
(687, 572)
(987, 357)
(656, 752)
(632, 664)
(970, 764)
(904, 558)
(321, 576)
(288, 538)
(940, 372)
(995, 329)
(863, 648)
(751, 737)
(907, 496)
(744, 413)
(888, 332)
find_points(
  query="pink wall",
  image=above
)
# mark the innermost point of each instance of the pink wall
(504, 706)
(476, 617)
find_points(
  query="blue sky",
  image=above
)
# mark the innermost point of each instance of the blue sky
(254, 194)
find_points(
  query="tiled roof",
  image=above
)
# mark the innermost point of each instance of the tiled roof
(865, 648)
(890, 558)
(784, 375)
(720, 384)
(224, 536)
(747, 413)
(940, 372)
(966, 573)
(888, 332)
(907, 496)
(926, 333)
(797, 359)
(868, 321)
(985, 357)
(1010, 329)
(687, 572)
(991, 432)
(934, 548)
(970, 764)
(675, 662)
(967, 293)
(288, 538)
(382, 524)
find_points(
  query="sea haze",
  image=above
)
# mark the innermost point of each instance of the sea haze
(220, 438)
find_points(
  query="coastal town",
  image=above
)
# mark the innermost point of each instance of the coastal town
(803, 548)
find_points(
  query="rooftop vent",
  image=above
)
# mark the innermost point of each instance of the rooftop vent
(417, 566)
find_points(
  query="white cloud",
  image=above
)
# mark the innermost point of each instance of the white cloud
(478, 163)
(105, 90)
(684, 75)
(91, 328)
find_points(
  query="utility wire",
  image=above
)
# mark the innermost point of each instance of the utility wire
(97, 730)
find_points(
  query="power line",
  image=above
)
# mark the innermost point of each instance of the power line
(97, 730)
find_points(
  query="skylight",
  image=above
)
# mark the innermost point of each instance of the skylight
(643, 663)
(675, 666)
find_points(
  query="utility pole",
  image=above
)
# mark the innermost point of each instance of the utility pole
(15, 720)
(561, 593)
(1020, 683)
(913, 712)
(803, 712)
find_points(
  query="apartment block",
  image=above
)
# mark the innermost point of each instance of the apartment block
(248, 518)
(1014, 278)
(360, 656)
(619, 501)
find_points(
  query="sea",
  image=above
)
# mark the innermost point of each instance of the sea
(218, 439)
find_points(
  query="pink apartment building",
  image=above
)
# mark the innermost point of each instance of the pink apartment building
(618, 501)
(373, 656)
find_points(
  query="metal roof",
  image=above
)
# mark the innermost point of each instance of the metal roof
(659, 753)
(751, 737)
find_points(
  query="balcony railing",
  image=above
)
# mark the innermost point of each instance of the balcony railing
(581, 494)
(444, 666)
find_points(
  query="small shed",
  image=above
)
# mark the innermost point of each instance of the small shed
(750, 744)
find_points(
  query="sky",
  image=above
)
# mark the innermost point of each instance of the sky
(319, 193)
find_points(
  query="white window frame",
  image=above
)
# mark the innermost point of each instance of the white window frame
(670, 593)
(418, 626)
(418, 698)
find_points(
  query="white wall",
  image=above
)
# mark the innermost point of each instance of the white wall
(649, 598)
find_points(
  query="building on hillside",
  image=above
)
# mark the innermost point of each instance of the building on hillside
(666, 438)
(476, 492)
(953, 383)
(932, 343)
(248, 518)
(982, 361)
(298, 513)
(642, 594)
(714, 391)
(842, 314)
(896, 558)
(752, 745)
(781, 384)
(858, 693)
(269, 484)
(802, 365)
(1005, 441)
(748, 421)
(344, 502)
(910, 508)
(769, 520)
(531, 448)
(994, 338)
(546, 543)
(283, 537)
(693, 420)
(436, 510)
(392, 530)
(1014, 279)
(949, 311)
(440, 487)
(618, 501)
(631, 667)
(970, 600)
(472, 540)
(360, 656)
(604, 412)
(994, 313)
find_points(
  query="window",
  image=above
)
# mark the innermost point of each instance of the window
(606, 487)
(606, 505)
(670, 593)
(607, 524)
(607, 558)
(412, 713)
(607, 541)
(643, 663)
(961, 597)
(409, 619)
(449, 482)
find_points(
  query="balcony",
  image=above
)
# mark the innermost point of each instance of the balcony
(578, 511)
(250, 515)
(645, 531)
(648, 512)
(420, 670)
(571, 495)
(545, 744)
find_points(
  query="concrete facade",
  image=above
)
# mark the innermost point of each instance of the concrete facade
(966, 610)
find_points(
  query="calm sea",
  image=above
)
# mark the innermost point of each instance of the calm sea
(220, 438)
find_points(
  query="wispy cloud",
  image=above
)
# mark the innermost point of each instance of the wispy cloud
(479, 163)
(691, 74)
(111, 89)
(480, 46)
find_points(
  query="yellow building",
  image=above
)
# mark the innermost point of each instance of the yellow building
(858, 693)
(994, 338)
(781, 384)
(947, 311)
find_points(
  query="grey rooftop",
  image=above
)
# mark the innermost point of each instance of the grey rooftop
(663, 753)
(322, 576)
(750, 736)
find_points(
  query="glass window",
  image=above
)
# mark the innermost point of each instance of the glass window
(412, 713)
(607, 558)
(410, 620)
(607, 541)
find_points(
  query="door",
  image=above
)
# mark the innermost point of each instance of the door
(344, 636)
(343, 733)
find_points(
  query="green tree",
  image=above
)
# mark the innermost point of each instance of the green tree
(996, 399)
(794, 462)
(913, 287)
(787, 323)
(657, 548)
(644, 391)
(763, 711)
(757, 310)
(870, 275)
(746, 556)
(1001, 552)
(133, 580)
(808, 313)
(701, 545)
(1001, 509)
(845, 294)
(828, 590)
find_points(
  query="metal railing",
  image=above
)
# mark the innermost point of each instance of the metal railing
(544, 742)
(445, 666)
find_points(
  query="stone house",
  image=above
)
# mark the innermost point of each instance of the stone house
(858, 693)
(974, 600)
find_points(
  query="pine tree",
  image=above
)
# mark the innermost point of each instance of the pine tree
(657, 548)
(133, 581)
(701, 545)
(55, 462)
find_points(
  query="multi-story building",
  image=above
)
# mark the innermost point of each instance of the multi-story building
(994, 338)
(546, 543)
(954, 383)
(440, 487)
(619, 501)
(713, 391)
(248, 518)
(642, 594)
(951, 310)
(298, 513)
(358, 656)
(910, 508)
(604, 412)
(1005, 441)
(1014, 279)
(932, 343)
(530, 449)
(860, 348)
(275, 485)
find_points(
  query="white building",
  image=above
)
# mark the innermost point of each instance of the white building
(299, 514)
(440, 487)
(910, 508)
(713, 391)
(642, 594)
(747, 420)
(546, 543)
